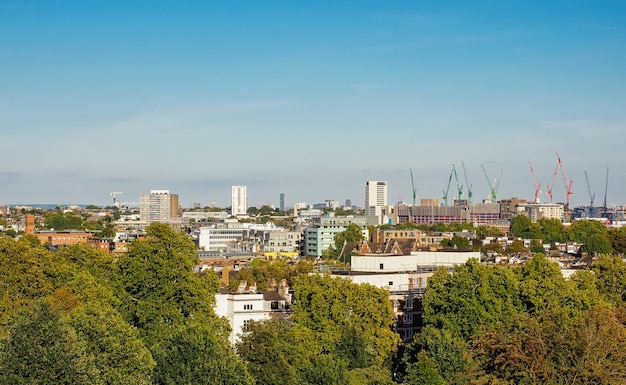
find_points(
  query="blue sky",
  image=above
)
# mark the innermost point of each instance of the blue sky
(309, 98)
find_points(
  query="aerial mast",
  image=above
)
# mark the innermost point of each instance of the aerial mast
(469, 186)
(536, 187)
(568, 188)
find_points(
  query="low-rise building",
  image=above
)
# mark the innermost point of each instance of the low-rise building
(249, 305)
(405, 276)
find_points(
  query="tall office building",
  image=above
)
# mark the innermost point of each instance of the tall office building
(239, 201)
(375, 197)
(158, 206)
(282, 201)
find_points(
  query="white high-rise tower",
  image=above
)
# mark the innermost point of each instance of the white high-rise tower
(156, 206)
(375, 197)
(239, 201)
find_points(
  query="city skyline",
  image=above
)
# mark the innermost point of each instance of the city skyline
(310, 100)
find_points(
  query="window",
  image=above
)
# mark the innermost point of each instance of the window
(381, 266)
(247, 306)
(408, 304)
(407, 319)
(390, 283)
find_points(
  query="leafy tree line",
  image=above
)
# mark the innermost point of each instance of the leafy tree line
(593, 235)
(339, 333)
(79, 317)
(524, 325)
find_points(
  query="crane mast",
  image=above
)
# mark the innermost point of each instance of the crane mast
(447, 189)
(459, 187)
(413, 185)
(469, 186)
(568, 187)
(550, 188)
(592, 197)
(536, 187)
(493, 187)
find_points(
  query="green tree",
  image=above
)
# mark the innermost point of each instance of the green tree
(63, 221)
(424, 372)
(458, 242)
(44, 349)
(536, 246)
(493, 247)
(159, 288)
(543, 287)
(407, 226)
(516, 247)
(26, 274)
(447, 354)
(352, 234)
(331, 306)
(610, 273)
(592, 234)
(326, 369)
(473, 296)
(484, 231)
(618, 239)
(523, 227)
(552, 230)
(275, 350)
(122, 358)
(194, 354)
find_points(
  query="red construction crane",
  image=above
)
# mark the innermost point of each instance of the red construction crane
(568, 188)
(536, 186)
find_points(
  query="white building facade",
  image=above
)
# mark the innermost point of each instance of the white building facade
(155, 207)
(239, 201)
(375, 198)
(239, 309)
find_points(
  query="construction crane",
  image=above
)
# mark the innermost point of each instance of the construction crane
(413, 184)
(550, 187)
(568, 187)
(592, 197)
(536, 187)
(114, 195)
(459, 187)
(447, 189)
(469, 185)
(493, 187)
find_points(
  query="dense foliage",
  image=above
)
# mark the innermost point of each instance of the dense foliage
(81, 316)
(523, 325)
(340, 333)
(77, 316)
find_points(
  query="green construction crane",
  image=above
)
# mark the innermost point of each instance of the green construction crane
(469, 185)
(445, 192)
(493, 187)
(459, 187)
(413, 184)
